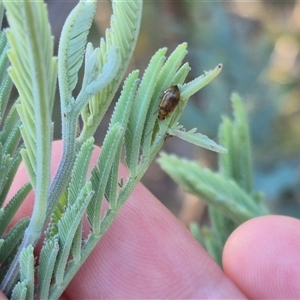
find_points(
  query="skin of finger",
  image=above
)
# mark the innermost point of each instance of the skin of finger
(262, 258)
(2, 296)
(146, 253)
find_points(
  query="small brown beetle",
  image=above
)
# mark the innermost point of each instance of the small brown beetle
(168, 102)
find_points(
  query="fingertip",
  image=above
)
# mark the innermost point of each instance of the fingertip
(262, 257)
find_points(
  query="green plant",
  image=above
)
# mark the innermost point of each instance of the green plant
(27, 134)
(229, 193)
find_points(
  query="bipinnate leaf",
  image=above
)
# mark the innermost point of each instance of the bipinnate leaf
(222, 193)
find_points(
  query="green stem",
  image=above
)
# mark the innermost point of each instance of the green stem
(63, 173)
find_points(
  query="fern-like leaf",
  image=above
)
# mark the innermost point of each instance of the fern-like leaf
(218, 191)
(33, 71)
(123, 33)
(139, 113)
(235, 136)
(67, 228)
(32, 65)
(78, 177)
(164, 80)
(72, 47)
(100, 173)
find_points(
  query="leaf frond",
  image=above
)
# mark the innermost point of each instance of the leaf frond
(79, 172)
(67, 228)
(138, 115)
(72, 47)
(30, 54)
(101, 172)
(122, 34)
(218, 191)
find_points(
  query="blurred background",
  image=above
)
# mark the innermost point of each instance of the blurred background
(258, 43)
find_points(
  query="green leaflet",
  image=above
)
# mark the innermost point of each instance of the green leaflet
(182, 73)
(216, 236)
(71, 48)
(100, 174)
(120, 117)
(164, 80)
(235, 136)
(5, 81)
(31, 66)
(12, 240)
(123, 33)
(5, 162)
(79, 172)
(10, 176)
(218, 191)
(196, 138)
(20, 291)
(67, 228)
(33, 71)
(27, 270)
(57, 214)
(47, 261)
(10, 134)
(138, 115)
(123, 107)
(12, 207)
